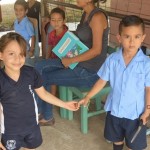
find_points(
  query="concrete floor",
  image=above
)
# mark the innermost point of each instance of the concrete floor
(66, 135)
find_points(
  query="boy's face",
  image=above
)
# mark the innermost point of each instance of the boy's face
(12, 57)
(57, 21)
(131, 38)
(20, 12)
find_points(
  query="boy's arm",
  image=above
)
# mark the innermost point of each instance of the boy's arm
(146, 113)
(49, 98)
(31, 51)
(96, 88)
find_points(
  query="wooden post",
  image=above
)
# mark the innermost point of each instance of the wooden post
(44, 21)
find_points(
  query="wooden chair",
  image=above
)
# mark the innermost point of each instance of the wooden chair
(73, 93)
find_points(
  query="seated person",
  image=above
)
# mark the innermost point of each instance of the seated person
(93, 32)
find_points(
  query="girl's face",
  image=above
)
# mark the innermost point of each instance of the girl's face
(12, 57)
(57, 21)
(20, 12)
(131, 38)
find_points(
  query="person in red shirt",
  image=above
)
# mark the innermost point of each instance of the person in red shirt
(57, 21)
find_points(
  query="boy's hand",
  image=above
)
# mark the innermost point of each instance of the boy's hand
(72, 105)
(2, 147)
(84, 101)
(145, 117)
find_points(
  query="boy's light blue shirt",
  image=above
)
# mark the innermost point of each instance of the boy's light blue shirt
(24, 28)
(127, 97)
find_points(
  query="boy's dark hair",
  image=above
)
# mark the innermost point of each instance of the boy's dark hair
(131, 20)
(59, 11)
(13, 36)
(22, 3)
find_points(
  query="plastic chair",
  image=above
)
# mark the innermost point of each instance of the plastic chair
(73, 93)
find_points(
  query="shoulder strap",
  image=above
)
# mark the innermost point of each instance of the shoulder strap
(95, 11)
(82, 18)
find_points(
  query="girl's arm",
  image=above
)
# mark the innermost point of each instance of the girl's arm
(146, 113)
(49, 98)
(97, 24)
(96, 88)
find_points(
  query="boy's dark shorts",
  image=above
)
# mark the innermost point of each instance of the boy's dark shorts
(30, 140)
(120, 129)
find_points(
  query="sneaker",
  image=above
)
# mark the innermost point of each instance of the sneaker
(50, 122)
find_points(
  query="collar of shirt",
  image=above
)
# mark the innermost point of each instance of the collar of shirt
(138, 57)
(22, 21)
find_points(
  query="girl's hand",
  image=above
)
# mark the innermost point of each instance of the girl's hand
(2, 147)
(72, 105)
(66, 62)
(145, 117)
(84, 101)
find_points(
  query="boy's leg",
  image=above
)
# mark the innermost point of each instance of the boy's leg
(114, 132)
(118, 145)
(140, 141)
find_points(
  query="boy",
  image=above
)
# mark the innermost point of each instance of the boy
(19, 117)
(128, 71)
(24, 27)
(57, 21)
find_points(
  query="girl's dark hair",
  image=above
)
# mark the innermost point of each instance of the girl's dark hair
(22, 3)
(13, 36)
(131, 20)
(59, 11)
(103, 1)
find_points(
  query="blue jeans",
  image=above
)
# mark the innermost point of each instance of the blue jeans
(54, 73)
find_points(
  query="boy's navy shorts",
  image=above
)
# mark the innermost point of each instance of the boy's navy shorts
(30, 140)
(120, 129)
